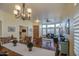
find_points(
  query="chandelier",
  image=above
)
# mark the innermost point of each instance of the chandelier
(22, 12)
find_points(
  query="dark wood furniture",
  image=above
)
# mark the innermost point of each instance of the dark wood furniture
(25, 41)
(38, 42)
(6, 39)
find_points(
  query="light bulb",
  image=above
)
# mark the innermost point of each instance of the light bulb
(17, 7)
(15, 12)
(29, 10)
(37, 20)
(29, 15)
(23, 15)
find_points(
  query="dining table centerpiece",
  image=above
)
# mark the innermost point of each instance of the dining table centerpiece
(30, 46)
(14, 42)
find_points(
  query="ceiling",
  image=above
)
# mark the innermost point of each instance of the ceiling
(52, 11)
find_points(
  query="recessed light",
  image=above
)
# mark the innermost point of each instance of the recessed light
(75, 4)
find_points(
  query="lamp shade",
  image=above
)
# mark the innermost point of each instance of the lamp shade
(17, 7)
(15, 12)
(29, 10)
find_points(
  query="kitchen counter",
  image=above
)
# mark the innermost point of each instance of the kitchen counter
(23, 50)
(47, 43)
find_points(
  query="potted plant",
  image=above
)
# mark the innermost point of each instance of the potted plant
(14, 42)
(30, 45)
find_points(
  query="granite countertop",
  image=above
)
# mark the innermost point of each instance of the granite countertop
(23, 50)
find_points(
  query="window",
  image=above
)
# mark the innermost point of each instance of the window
(57, 25)
(57, 31)
(50, 26)
(43, 26)
(44, 31)
(50, 30)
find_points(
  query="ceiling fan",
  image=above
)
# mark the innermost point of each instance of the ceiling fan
(47, 20)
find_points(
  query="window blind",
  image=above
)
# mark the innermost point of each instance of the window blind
(76, 35)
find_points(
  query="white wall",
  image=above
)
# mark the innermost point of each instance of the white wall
(9, 20)
(0, 28)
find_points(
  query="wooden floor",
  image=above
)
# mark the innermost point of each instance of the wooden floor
(8, 52)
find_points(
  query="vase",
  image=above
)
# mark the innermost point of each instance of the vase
(14, 44)
(30, 49)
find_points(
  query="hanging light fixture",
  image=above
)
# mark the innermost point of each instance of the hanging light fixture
(22, 12)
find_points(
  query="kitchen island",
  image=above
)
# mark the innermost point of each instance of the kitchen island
(21, 49)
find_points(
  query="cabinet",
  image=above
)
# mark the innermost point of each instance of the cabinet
(38, 42)
(65, 47)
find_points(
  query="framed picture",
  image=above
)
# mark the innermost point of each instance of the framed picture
(11, 29)
(67, 26)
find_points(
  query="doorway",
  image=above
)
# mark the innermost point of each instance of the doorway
(23, 32)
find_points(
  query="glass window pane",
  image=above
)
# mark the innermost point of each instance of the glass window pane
(57, 25)
(50, 26)
(57, 31)
(43, 26)
(50, 31)
(44, 32)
